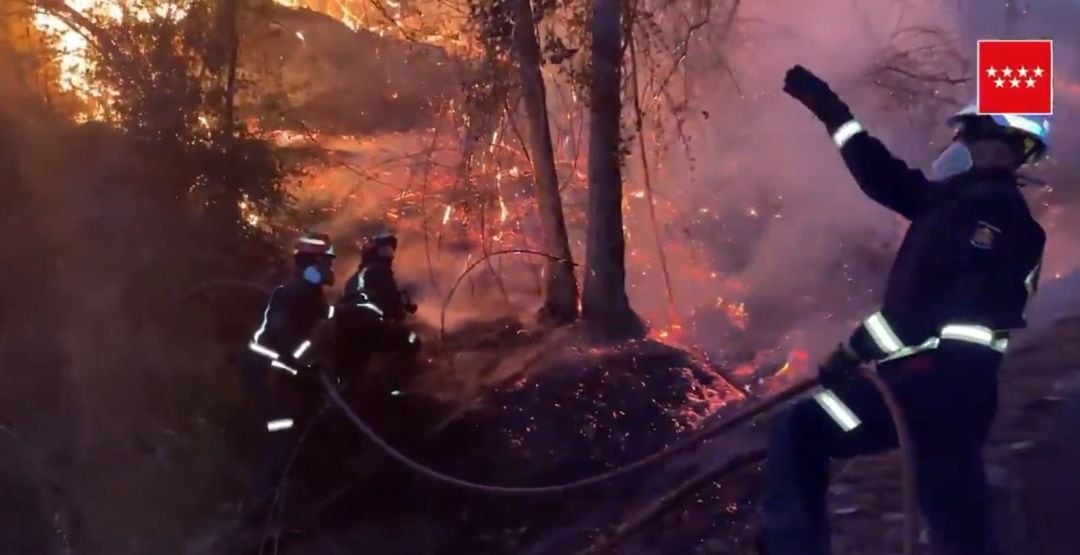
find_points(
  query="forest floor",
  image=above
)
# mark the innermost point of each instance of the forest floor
(1031, 458)
(545, 429)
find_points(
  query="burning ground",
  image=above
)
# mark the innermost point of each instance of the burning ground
(126, 426)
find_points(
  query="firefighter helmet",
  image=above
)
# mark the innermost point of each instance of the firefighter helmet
(380, 245)
(314, 244)
(1031, 132)
(385, 239)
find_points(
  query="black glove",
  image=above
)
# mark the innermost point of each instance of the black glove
(839, 367)
(816, 95)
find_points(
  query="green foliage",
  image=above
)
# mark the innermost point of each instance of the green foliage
(166, 73)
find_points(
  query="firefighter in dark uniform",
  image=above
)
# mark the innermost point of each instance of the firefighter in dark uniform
(372, 314)
(967, 267)
(280, 356)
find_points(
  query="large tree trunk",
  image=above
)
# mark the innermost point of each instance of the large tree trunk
(605, 306)
(561, 295)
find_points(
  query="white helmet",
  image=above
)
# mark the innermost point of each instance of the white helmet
(1034, 129)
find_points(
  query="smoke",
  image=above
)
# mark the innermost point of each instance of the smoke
(775, 212)
(762, 218)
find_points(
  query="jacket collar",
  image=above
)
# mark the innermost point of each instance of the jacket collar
(977, 183)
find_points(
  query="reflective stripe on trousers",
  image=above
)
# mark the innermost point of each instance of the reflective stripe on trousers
(837, 410)
(279, 424)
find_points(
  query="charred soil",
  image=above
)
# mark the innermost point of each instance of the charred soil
(549, 409)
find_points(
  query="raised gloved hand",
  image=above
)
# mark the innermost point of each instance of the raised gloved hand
(839, 367)
(816, 95)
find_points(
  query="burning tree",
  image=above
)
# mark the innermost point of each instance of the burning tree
(24, 68)
(527, 69)
(164, 72)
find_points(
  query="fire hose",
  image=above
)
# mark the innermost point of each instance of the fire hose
(911, 523)
(903, 435)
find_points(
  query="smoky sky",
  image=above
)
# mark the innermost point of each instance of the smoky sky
(762, 211)
(808, 250)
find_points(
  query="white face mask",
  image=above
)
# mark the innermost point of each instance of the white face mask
(954, 160)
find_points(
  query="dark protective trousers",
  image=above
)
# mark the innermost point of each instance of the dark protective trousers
(284, 399)
(949, 397)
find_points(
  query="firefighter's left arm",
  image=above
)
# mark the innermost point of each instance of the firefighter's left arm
(882, 176)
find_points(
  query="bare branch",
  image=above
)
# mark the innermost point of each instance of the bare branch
(934, 78)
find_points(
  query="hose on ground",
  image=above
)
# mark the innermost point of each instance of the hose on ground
(907, 455)
(904, 440)
(653, 510)
(911, 521)
(687, 442)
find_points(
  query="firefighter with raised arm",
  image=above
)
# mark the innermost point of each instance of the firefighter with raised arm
(279, 359)
(373, 310)
(968, 264)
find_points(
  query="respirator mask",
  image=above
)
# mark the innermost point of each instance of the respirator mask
(954, 160)
(318, 275)
(312, 275)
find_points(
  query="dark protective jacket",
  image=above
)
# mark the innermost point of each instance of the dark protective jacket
(969, 261)
(373, 287)
(284, 339)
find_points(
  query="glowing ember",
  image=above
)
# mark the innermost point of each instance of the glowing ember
(249, 212)
(797, 362)
(671, 333)
(735, 311)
